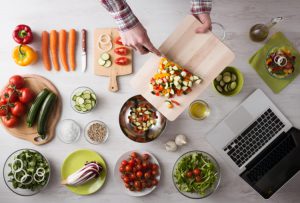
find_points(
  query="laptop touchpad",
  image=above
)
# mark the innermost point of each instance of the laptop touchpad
(239, 120)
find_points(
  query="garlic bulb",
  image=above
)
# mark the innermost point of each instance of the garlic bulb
(171, 146)
(180, 140)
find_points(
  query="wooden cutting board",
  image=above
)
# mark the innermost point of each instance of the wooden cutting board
(115, 70)
(37, 83)
(202, 54)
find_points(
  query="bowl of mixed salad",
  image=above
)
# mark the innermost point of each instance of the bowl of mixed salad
(196, 174)
(140, 121)
(280, 62)
(26, 172)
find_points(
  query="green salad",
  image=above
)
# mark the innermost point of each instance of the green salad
(195, 173)
(29, 170)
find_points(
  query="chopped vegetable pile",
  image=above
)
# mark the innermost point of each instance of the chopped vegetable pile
(280, 62)
(142, 117)
(195, 173)
(29, 170)
(171, 80)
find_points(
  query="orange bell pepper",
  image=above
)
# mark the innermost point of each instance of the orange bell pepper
(24, 55)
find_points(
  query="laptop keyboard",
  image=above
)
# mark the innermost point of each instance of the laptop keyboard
(245, 145)
(269, 161)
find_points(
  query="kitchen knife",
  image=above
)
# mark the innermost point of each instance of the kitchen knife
(83, 55)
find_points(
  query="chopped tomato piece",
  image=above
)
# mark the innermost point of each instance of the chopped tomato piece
(123, 51)
(122, 61)
(118, 41)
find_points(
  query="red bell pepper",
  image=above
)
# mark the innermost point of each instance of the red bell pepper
(22, 34)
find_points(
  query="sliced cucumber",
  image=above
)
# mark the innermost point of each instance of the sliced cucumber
(101, 62)
(227, 78)
(84, 101)
(233, 85)
(107, 63)
(233, 77)
(79, 100)
(219, 78)
(105, 56)
(222, 83)
(219, 88)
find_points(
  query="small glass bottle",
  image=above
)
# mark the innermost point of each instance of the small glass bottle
(260, 32)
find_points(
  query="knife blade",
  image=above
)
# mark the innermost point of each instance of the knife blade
(83, 54)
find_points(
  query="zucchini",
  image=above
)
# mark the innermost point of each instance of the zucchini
(44, 114)
(35, 107)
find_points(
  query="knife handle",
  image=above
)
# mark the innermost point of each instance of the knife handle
(83, 32)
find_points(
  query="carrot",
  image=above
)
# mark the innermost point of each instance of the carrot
(45, 50)
(53, 49)
(62, 46)
(71, 49)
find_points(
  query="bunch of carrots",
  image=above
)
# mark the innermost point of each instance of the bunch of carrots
(57, 44)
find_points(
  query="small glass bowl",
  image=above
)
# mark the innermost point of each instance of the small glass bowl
(86, 132)
(60, 133)
(81, 89)
(205, 114)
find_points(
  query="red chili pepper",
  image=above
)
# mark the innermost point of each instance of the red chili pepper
(22, 34)
(175, 102)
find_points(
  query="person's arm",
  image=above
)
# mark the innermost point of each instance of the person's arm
(201, 10)
(133, 34)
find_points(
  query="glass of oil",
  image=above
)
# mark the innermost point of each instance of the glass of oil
(199, 110)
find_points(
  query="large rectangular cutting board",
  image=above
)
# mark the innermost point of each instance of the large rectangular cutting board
(202, 54)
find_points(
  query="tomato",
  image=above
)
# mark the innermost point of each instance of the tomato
(124, 163)
(147, 175)
(134, 169)
(118, 41)
(16, 81)
(196, 171)
(18, 109)
(25, 95)
(122, 169)
(131, 162)
(139, 167)
(133, 155)
(132, 176)
(123, 51)
(144, 185)
(138, 160)
(9, 95)
(137, 184)
(3, 108)
(126, 180)
(149, 184)
(189, 174)
(154, 182)
(139, 174)
(122, 61)
(128, 168)
(10, 121)
(198, 179)
(145, 165)
(154, 167)
(154, 172)
(127, 185)
(146, 157)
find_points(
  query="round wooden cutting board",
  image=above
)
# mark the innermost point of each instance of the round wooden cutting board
(38, 83)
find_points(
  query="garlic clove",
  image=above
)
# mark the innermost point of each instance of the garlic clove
(180, 140)
(171, 146)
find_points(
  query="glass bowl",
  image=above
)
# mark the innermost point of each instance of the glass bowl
(60, 127)
(208, 191)
(86, 102)
(93, 141)
(147, 136)
(7, 170)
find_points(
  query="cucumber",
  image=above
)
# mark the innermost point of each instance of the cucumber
(219, 78)
(44, 114)
(35, 107)
(219, 88)
(84, 101)
(107, 63)
(222, 83)
(233, 85)
(101, 62)
(105, 56)
(233, 77)
(226, 78)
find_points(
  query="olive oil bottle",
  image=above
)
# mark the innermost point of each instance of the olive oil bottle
(260, 32)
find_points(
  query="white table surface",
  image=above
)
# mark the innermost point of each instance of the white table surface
(159, 17)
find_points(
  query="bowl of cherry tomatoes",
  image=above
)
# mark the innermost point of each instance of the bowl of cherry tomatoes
(14, 100)
(138, 173)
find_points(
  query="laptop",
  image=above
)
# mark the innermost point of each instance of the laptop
(259, 143)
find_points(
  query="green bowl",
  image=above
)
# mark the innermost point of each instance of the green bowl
(240, 82)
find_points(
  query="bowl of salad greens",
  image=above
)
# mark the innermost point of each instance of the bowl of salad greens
(196, 174)
(26, 172)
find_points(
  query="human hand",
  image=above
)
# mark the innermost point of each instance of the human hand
(138, 39)
(204, 18)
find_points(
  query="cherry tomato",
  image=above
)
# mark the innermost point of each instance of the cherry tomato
(132, 176)
(18, 109)
(128, 168)
(196, 171)
(145, 165)
(9, 95)
(131, 162)
(189, 174)
(122, 61)
(147, 175)
(144, 185)
(198, 179)
(149, 184)
(16, 81)
(3, 108)
(154, 167)
(127, 185)
(137, 184)
(123, 51)
(154, 182)
(154, 172)
(25, 95)
(124, 163)
(139, 174)
(146, 157)
(139, 167)
(118, 40)
(10, 121)
(134, 169)
(126, 180)
(122, 169)
(138, 160)
(133, 155)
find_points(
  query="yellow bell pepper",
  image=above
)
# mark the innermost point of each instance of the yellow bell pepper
(24, 55)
